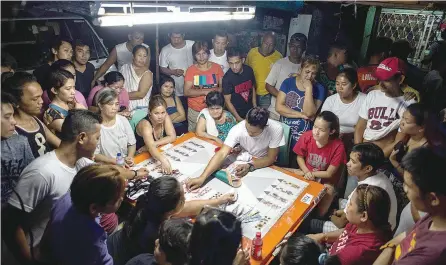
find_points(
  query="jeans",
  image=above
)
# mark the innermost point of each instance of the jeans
(264, 101)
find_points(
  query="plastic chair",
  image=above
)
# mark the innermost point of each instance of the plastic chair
(284, 151)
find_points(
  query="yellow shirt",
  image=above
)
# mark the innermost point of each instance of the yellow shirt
(261, 66)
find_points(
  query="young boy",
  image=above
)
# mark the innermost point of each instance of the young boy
(426, 189)
(171, 247)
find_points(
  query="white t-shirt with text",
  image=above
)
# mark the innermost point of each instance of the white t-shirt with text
(281, 70)
(222, 60)
(271, 137)
(383, 114)
(116, 139)
(348, 114)
(174, 58)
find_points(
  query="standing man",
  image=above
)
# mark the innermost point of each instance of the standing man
(44, 181)
(218, 53)
(284, 68)
(239, 86)
(261, 60)
(84, 69)
(122, 53)
(175, 58)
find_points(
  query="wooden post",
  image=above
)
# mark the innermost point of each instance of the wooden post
(157, 51)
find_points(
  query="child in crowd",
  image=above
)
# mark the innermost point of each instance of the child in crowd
(201, 78)
(214, 122)
(171, 247)
(116, 81)
(368, 229)
(95, 189)
(426, 189)
(320, 153)
(116, 133)
(302, 250)
(299, 99)
(62, 89)
(216, 238)
(154, 130)
(174, 108)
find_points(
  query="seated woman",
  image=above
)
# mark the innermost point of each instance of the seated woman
(215, 239)
(114, 80)
(302, 250)
(170, 247)
(345, 104)
(68, 66)
(62, 89)
(164, 199)
(95, 189)
(116, 133)
(139, 79)
(214, 122)
(299, 99)
(320, 153)
(174, 108)
(154, 130)
(368, 228)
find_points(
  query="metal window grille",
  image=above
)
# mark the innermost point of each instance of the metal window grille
(420, 28)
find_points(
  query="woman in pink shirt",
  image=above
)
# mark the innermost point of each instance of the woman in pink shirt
(114, 80)
(368, 228)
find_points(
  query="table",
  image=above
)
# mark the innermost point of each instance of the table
(287, 223)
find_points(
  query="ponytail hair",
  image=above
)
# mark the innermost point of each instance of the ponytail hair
(333, 120)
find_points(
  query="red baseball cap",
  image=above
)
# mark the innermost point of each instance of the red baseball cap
(390, 67)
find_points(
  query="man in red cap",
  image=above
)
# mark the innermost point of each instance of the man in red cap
(380, 114)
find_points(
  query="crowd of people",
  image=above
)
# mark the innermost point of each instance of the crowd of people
(373, 135)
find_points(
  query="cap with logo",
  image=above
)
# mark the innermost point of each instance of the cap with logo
(389, 68)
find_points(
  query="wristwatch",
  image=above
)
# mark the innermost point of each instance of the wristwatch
(251, 167)
(136, 174)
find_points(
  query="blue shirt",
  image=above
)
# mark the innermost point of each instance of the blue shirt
(294, 99)
(74, 238)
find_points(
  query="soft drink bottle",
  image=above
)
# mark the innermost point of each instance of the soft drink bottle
(120, 160)
(256, 247)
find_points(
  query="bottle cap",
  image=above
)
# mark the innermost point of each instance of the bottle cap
(118, 154)
(258, 234)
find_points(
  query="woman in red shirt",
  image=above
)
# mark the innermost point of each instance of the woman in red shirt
(320, 154)
(368, 228)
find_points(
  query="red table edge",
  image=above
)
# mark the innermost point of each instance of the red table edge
(245, 241)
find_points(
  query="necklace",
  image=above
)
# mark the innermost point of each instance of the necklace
(161, 133)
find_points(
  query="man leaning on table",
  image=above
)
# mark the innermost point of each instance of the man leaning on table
(260, 136)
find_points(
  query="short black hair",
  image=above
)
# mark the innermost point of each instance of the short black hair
(381, 45)
(401, 49)
(59, 77)
(78, 121)
(138, 47)
(79, 43)
(234, 51)
(427, 168)
(339, 46)
(176, 30)
(369, 155)
(350, 74)
(8, 61)
(58, 42)
(222, 33)
(258, 116)
(174, 240)
(112, 77)
(8, 99)
(299, 37)
(215, 98)
(419, 112)
(62, 64)
(136, 29)
(15, 84)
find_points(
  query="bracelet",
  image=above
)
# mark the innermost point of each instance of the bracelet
(325, 238)
(135, 174)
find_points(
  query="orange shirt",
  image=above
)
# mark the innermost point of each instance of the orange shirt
(202, 80)
(366, 79)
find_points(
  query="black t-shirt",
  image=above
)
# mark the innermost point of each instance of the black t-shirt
(142, 259)
(240, 86)
(42, 74)
(83, 80)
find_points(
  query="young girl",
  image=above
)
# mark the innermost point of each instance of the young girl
(320, 153)
(116, 133)
(302, 250)
(174, 108)
(116, 81)
(299, 99)
(154, 130)
(62, 87)
(368, 228)
(214, 122)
